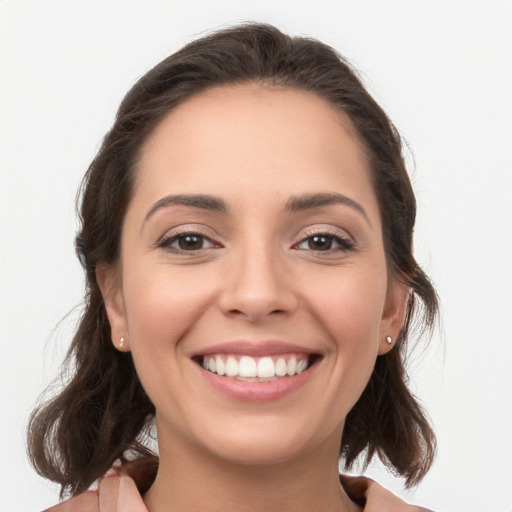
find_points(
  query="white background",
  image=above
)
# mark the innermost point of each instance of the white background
(443, 72)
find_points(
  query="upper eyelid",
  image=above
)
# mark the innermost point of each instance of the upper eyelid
(175, 236)
(195, 229)
(324, 230)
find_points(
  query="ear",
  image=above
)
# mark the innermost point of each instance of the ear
(110, 285)
(393, 316)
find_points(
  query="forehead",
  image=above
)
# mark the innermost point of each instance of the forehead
(255, 138)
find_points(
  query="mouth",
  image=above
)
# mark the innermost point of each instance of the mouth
(267, 368)
(256, 372)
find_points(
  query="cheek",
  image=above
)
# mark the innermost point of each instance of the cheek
(350, 305)
(164, 303)
(162, 306)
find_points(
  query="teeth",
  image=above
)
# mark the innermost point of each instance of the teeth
(281, 367)
(221, 367)
(301, 366)
(231, 367)
(247, 367)
(266, 367)
(291, 367)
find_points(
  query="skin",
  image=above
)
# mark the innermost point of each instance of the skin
(256, 274)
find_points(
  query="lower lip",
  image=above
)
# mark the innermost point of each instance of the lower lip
(257, 391)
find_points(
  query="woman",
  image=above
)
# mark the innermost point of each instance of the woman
(247, 240)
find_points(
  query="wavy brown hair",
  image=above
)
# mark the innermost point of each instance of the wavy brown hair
(102, 412)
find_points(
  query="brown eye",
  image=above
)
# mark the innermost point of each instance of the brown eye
(325, 242)
(190, 242)
(320, 243)
(187, 242)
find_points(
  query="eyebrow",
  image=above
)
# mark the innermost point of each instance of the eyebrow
(202, 201)
(311, 201)
(294, 204)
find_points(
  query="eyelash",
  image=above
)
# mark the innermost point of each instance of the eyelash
(344, 243)
(166, 242)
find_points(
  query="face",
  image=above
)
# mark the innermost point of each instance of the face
(252, 287)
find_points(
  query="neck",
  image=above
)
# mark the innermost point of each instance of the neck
(190, 479)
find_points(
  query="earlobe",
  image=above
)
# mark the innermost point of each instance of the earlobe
(111, 290)
(393, 316)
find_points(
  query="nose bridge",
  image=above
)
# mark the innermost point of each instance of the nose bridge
(257, 283)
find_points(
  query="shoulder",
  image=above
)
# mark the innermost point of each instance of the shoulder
(373, 497)
(120, 490)
(116, 493)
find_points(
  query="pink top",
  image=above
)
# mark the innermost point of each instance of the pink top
(120, 491)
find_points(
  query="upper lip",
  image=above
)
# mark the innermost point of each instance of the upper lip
(254, 348)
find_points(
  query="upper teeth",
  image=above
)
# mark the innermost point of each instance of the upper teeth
(260, 367)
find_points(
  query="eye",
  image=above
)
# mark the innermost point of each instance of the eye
(187, 242)
(324, 242)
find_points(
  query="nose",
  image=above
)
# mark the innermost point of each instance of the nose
(258, 287)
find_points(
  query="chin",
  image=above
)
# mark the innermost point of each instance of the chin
(258, 454)
(260, 442)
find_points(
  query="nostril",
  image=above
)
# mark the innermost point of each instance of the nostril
(236, 312)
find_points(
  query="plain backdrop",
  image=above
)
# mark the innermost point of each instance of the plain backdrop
(443, 72)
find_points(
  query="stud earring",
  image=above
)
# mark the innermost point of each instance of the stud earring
(121, 342)
(389, 340)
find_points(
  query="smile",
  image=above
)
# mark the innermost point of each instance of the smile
(257, 369)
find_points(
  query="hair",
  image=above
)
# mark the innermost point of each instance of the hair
(102, 412)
